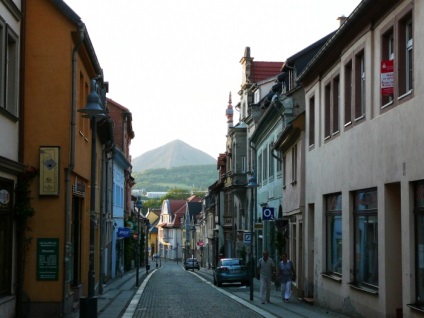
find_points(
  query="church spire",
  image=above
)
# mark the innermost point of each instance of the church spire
(229, 113)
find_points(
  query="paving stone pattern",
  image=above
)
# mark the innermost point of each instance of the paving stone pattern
(173, 292)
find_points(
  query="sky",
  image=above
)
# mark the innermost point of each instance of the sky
(173, 63)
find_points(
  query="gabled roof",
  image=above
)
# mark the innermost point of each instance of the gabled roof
(366, 13)
(194, 198)
(263, 70)
(175, 205)
(74, 18)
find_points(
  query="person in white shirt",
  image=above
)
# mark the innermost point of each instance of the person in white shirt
(266, 269)
(286, 275)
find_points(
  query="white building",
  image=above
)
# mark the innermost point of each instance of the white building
(364, 174)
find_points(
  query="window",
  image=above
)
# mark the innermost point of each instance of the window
(292, 79)
(348, 93)
(312, 121)
(294, 164)
(419, 241)
(260, 168)
(366, 238)
(405, 55)
(279, 162)
(335, 99)
(388, 53)
(331, 95)
(334, 233)
(6, 235)
(284, 171)
(243, 163)
(327, 110)
(271, 162)
(359, 85)
(9, 70)
(397, 44)
(265, 164)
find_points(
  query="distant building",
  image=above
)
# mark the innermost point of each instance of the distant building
(155, 195)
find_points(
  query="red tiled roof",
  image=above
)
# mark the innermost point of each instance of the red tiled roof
(264, 70)
(176, 204)
(194, 198)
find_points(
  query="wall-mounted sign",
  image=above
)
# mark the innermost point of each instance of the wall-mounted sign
(267, 214)
(47, 259)
(49, 170)
(247, 237)
(123, 232)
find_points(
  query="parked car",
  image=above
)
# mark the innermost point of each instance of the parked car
(191, 263)
(231, 270)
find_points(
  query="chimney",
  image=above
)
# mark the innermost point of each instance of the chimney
(341, 19)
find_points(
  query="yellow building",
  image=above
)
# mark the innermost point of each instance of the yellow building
(59, 64)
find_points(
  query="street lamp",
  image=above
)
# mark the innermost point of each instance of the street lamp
(147, 246)
(252, 185)
(92, 110)
(139, 205)
(193, 229)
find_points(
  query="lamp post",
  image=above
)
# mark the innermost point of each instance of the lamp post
(92, 110)
(147, 246)
(252, 185)
(193, 229)
(139, 204)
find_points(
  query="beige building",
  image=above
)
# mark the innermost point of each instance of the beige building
(364, 173)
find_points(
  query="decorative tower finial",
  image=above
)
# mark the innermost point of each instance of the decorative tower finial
(229, 113)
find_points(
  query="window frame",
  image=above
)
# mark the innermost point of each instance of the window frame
(9, 71)
(403, 54)
(311, 120)
(294, 164)
(333, 210)
(370, 197)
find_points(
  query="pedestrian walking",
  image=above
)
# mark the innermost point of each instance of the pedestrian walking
(286, 274)
(266, 270)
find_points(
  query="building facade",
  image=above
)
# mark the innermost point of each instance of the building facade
(363, 163)
(60, 70)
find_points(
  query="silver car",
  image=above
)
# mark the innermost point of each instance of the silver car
(191, 263)
(231, 270)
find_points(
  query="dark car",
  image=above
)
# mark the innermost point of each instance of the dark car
(191, 263)
(231, 270)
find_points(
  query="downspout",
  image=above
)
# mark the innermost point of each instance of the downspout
(70, 169)
(254, 237)
(103, 208)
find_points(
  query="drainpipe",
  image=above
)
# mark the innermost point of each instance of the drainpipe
(70, 169)
(104, 208)
(255, 191)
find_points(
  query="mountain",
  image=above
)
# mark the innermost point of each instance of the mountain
(173, 154)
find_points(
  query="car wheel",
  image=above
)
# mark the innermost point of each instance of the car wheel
(215, 282)
(219, 284)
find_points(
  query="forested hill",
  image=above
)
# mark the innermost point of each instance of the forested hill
(196, 178)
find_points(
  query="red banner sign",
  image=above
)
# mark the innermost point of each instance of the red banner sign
(387, 77)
